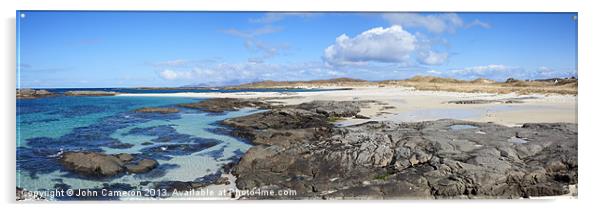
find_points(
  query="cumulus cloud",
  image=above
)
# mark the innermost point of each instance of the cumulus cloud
(437, 23)
(379, 44)
(383, 45)
(430, 57)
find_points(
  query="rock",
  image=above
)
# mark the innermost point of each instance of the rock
(90, 93)
(511, 80)
(33, 93)
(143, 166)
(360, 116)
(125, 157)
(157, 110)
(297, 148)
(23, 195)
(219, 105)
(332, 108)
(96, 164)
(92, 164)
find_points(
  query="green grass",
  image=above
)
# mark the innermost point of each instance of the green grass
(333, 119)
(382, 176)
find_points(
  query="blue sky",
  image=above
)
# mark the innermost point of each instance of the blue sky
(129, 49)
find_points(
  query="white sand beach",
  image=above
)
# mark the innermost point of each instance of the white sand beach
(402, 104)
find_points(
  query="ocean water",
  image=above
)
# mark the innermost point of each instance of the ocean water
(188, 145)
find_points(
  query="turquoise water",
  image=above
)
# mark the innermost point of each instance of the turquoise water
(47, 127)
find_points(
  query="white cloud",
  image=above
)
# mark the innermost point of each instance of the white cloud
(173, 75)
(483, 69)
(544, 69)
(501, 72)
(236, 73)
(437, 23)
(383, 45)
(430, 57)
(262, 50)
(478, 23)
(379, 44)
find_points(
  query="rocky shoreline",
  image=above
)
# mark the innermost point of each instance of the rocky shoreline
(298, 147)
(33, 93)
(90, 93)
(41, 93)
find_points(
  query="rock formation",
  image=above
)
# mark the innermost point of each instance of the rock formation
(90, 93)
(102, 165)
(219, 105)
(32, 93)
(298, 148)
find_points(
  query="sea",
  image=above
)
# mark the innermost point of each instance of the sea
(190, 146)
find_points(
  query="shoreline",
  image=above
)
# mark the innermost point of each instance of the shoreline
(406, 105)
(420, 105)
(285, 146)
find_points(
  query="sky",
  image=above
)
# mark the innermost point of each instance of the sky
(65, 49)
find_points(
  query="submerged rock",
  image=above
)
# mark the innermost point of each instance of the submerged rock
(157, 110)
(96, 164)
(299, 149)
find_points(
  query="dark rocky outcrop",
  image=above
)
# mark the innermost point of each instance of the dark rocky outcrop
(162, 110)
(33, 93)
(299, 149)
(102, 165)
(332, 108)
(219, 105)
(143, 166)
(90, 93)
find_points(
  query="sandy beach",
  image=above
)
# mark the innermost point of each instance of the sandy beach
(403, 104)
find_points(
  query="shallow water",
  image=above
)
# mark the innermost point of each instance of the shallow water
(516, 140)
(462, 127)
(49, 126)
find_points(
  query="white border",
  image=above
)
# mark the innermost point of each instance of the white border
(589, 91)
